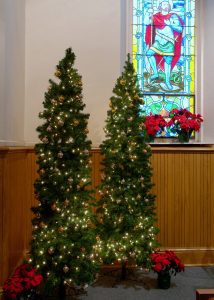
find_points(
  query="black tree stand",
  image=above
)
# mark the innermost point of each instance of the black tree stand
(123, 271)
(62, 291)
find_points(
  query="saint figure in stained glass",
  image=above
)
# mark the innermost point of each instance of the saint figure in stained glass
(163, 37)
(163, 48)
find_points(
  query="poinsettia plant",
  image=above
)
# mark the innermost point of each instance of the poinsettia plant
(183, 120)
(167, 261)
(24, 279)
(154, 124)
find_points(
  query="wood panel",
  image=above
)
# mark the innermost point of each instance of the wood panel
(205, 294)
(32, 175)
(184, 187)
(17, 174)
(14, 209)
(96, 170)
(1, 214)
(185, 198)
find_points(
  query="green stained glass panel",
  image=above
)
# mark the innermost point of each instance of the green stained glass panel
(161, 104)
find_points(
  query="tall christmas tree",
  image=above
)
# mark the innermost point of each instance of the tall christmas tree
(126, 206)
(63, 234)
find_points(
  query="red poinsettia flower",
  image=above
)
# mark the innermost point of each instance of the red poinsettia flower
(166, 262)
(24, 278)
(154, 124)
(157, 267)
(184, 120)
(36, 280)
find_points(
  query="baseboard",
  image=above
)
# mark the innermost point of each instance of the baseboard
(194, 256)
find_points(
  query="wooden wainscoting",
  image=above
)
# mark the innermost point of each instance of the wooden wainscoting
(17, 174)
(184, 185)
(1, 217)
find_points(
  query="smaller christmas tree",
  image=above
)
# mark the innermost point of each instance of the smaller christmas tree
(63, 234)
(126, 207)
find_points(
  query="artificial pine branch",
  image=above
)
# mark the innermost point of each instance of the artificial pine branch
(63, 234)
(126, 222)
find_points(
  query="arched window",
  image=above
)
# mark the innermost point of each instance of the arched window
(163, 47)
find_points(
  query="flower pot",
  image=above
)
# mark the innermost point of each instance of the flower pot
(149, 138)
(184, 136)
(28, 295)
(164, 280)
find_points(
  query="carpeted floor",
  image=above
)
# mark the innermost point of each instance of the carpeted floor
(143, 286)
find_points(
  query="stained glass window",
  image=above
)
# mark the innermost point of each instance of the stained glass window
(163, 47)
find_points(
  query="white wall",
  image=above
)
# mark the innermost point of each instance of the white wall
(34, 36)
(2, 67)
(12, 78)
(92, 29)
(207, 71)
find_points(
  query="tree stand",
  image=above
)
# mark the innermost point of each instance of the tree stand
(123, 271)
(62, 291)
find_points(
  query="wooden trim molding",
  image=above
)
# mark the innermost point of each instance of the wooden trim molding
(195, 256)
(205, 294)
(186, 149)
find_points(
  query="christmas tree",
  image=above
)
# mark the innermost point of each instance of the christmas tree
(126, 208)
(63, 234)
